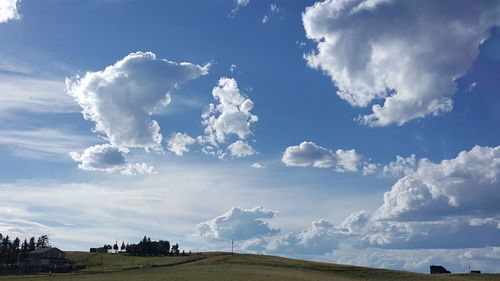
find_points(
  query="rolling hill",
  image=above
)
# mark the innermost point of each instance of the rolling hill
(223, 266)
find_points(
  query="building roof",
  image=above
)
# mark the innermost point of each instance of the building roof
(44, 250)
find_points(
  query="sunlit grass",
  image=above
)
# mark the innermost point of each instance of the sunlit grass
(236, 268)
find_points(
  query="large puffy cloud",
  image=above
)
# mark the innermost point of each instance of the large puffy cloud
(468, 184)
(454, 233)
(408, 54)
(238, 224)
(320, 238)
(121, 98)
(354, 223)
(230, 117)
(253, 234)
(451, 204)
(310, 154)
(8, 10)
(109, 159)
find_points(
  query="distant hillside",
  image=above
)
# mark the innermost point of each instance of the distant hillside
(224, 267)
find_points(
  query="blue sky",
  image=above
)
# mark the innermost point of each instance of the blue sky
(206, 121)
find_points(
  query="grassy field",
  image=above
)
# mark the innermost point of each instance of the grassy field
(252, 268)
(113, 262)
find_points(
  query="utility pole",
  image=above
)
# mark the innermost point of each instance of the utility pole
(232, 247)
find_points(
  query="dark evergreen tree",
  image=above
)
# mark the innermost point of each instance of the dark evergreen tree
(32, 244)
(148, 247)
(6, 245)
(43, 242)
(1, 251)
(24, 251)
(175, 249)
(14, 251)
(122, 248)
(115, 246)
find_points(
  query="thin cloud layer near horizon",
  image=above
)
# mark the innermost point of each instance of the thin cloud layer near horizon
(362, 132)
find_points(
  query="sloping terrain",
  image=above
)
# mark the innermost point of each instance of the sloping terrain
(222, 267)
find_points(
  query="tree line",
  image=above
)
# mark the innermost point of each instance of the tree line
(12, 251)
(148, 247)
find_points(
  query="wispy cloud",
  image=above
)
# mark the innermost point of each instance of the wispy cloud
(238, 4)
(33, 94)
(47, 144)
(273, 10)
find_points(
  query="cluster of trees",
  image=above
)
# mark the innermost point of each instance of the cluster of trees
(114, 247)
(152, 248)
(12, 252)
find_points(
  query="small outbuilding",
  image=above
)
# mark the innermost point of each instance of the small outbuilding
(47, 260)
(98, 250)
(438, 269)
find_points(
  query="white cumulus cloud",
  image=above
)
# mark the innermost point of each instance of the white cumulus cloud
(240, 149)
(178, 143)
(8, 10)
(452, 204)
(406, 55)
(401, 167)
(257, 165)
(238, 224)
(110, 159)
(132, 169)
(320, 238)
(121, 98)
(230, 117)
(348, 160)
(467, 184)
(310, 154)
(354, 223)
(453, 233)
(448, 205)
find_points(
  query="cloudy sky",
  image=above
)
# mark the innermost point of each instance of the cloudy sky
(363, 132)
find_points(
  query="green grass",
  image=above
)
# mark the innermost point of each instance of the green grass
(94, 262)
(250, 268)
